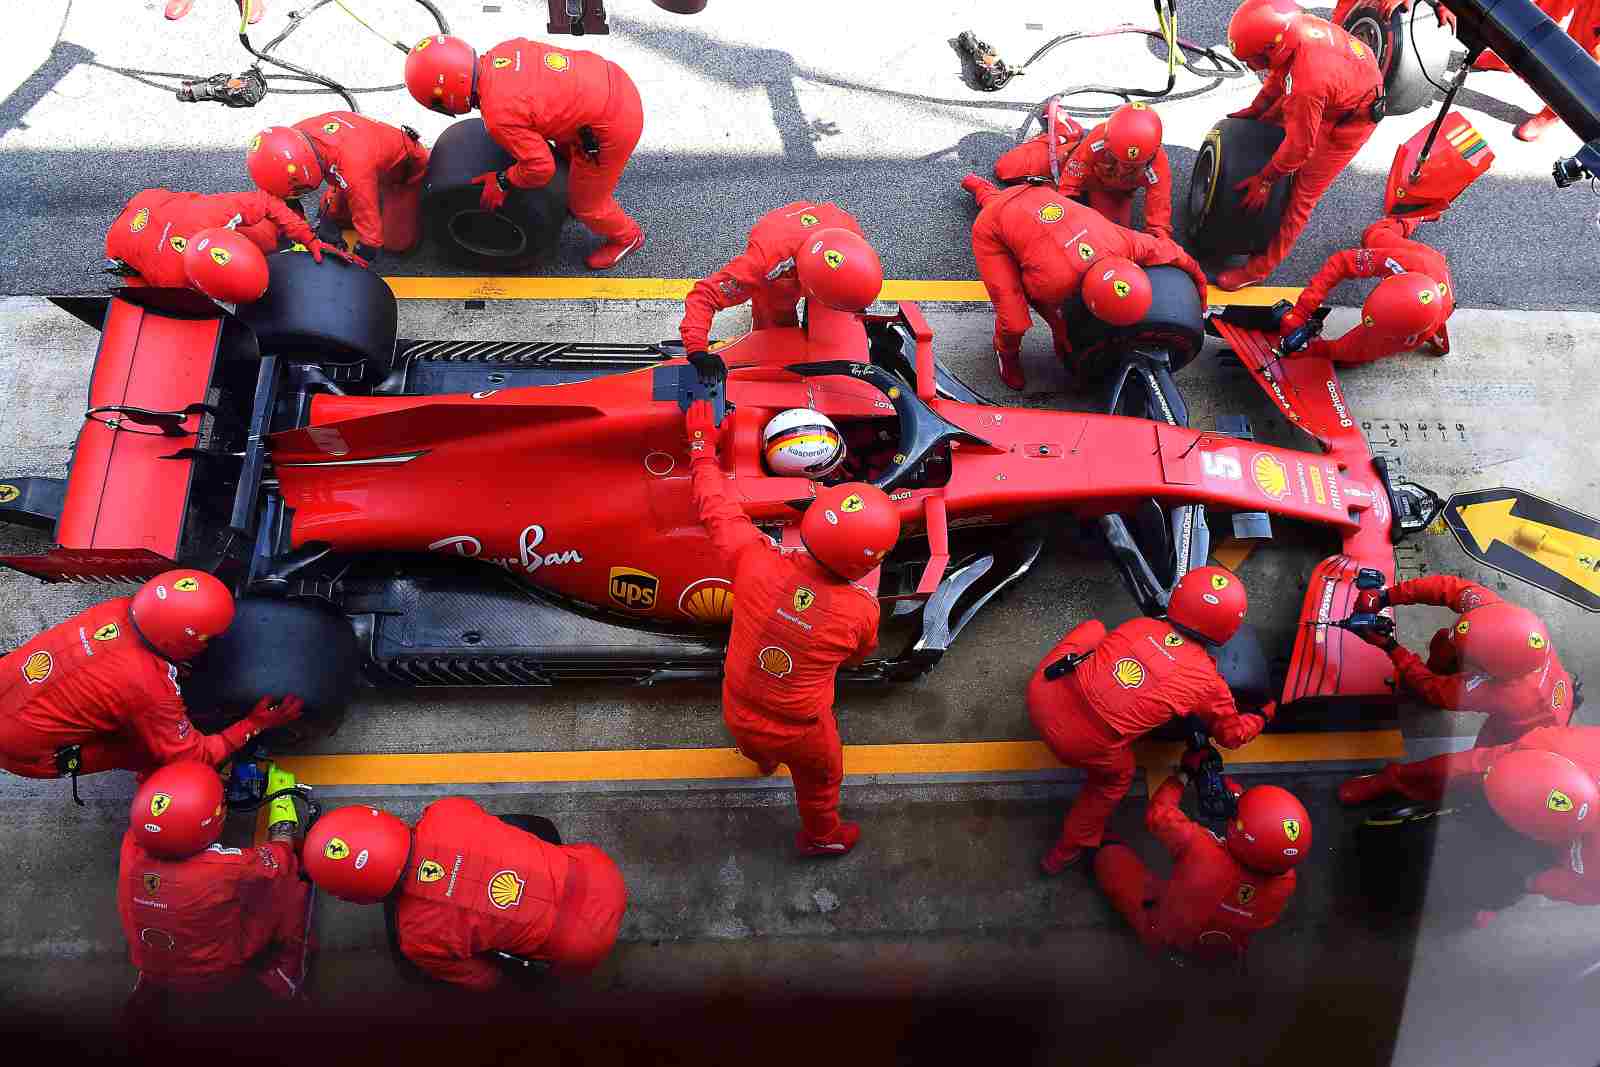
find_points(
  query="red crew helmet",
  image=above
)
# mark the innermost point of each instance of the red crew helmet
(849, 528)
(179, 611)
(439, 74)
(1271, 831)
(1404, 304)
(1133, 134)
(1258, 28)
(178, 811)
(839, 268)
(226, 265)
(1117, 290)
(282, 162)
(357, 853)
(1211, 602)
(1543, 795)
(1502, 640)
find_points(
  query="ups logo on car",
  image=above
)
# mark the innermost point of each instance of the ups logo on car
(634, 589)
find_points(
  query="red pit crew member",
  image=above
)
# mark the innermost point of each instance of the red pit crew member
(1222, 892)
(1408, 308)
(1094, 694)
(100, 691)
(1105, 169)
(199, 917)
(803, 249)
(1321, 87)
(473, 896)
(1497, 658)
(798, 616)
(373, 172)
(533, 93)
(1037, 248)
(1545, 785)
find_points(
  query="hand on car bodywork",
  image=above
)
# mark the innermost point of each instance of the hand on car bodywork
(700, 430)
(494, 190)
(1256, 190)
(710, 367)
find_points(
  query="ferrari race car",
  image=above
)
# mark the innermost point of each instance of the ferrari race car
(484, 513)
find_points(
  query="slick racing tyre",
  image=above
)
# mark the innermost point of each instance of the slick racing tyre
(1175, 324)
(525, 229)
(1458, 859)
(1409, 51)
(329, 312)
(277, 647)
(1234, 150)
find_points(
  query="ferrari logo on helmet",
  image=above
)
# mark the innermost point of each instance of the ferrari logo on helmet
(425, 42)
(37, 667)
(159, 803)
(1558, 802)
(152, 884)
(186, 584)
(336, 849)
(255, 143)
(1425, 296)
(1291, 829)
(833, 258)
(219, 256)
(8, 493)
(1051, 213)
(330, 128)
(180, 245)
(1463, 626)
(429, 871)
(804, 598)
(1246, 893)
(1172, 640)
(1128, 672)
(1121, 288)
(1136, 106)
(808, 220)
(1368, 321)
(775, 661)
(108, 632)
(141, 218)
(1536, 640)
(852, 504)
(1085, 251)
(556, 61)
(1133, 151)
(501, 63)
(505, 889)
(1219, 582)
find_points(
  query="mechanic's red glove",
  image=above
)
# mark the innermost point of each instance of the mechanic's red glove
(317, 246)
(699, 429)
(1376, 637)
(1446, 16)
(1372, 601)
(1256, 190)
(1268, 710)
(267, 715)
(1291, 321)
(494, 194)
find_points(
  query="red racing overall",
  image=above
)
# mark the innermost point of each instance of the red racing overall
(91, 681)
(794, 624)
(764, 273)
(1087, 176)
(1515, 705)
(531, 93)
(1136, 678)
(1387, 250)
(475, 885)
(374, 175)
(154, 229)
(1033, 246)
(201, 923)
(1210, 907)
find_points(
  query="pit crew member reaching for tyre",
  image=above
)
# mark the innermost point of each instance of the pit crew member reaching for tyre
(1095, 693)
(1322, 87)
(530, 94)
(198, 916)
(803, 249)
(373, 173)
(1106, 168)
(1408, 308)
(100, 690)
(1496, 658)
(472, 896)
(798, 616)
(1035, 248)
(1221, 892)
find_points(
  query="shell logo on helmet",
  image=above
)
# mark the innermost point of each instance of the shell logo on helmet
(710, 600)
(1270, 476)
(37, 667)
(1051, 213)
(775, 661)
(505, 889)
(1128, 672)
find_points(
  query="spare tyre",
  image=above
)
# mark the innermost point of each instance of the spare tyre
(331, 311)
(1174, 323)
(525, 229)
(1411, 49)
(275, 648)
(1234, 150)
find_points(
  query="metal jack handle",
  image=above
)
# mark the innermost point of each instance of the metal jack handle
(1444, 110)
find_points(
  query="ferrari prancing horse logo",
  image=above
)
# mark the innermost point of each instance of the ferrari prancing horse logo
(852, 504)
(429, 871)
(159, 803)
(1558, 802)
(1291, 829)
(803, 598)
(833, 258)
(1085, 251)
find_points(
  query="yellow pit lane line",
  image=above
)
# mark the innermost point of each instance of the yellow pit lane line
(701, 764)
(591, 288)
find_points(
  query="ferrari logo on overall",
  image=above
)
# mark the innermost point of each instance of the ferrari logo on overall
(1246, 894)
(37, 667)
(1172, 640)
(1291, 829)
(429, 871)
(336, 849)
(159, 805)
(501, 63)
(833, 258)
(186, 584)
(108, 632)
(152, 884)
(8, 493)
(804, 598)
(1558, 801)
(851, 504)
(505, 889)
(1051, 213)
(180, 245)
(1085, 251)
(1128, 672)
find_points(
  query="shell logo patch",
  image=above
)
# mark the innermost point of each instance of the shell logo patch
(1270, 476)
(852, 504)
(108, 632)
(804, 598)
(1246, 893)
(833, 258)
(501, 63)
(1172, 640)
(159, 803)
(186, 584)
(1128, 672)
(505, 889)
(1536, 640)
(221, 256)
(808, 220)
(1558, 801)
(1121, 288)
(141, 218)
(179, 245)
(429, 871)
(556, 61)
(1051, 213)
(37, 667)
(1085, 251)
(775, 661)
(1291, 829)
(708, 600)
(336, 849)
(8, 493)
(1219, 582)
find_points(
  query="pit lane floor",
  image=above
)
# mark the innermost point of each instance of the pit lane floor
(942, 904)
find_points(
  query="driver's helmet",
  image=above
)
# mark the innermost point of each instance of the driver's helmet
(801, 443)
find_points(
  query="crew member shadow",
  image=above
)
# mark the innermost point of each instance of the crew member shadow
(41, 83)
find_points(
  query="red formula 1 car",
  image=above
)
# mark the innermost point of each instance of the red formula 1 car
(442, 512)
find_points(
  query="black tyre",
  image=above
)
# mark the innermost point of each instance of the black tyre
(1457, 859)
(537, 825)
(330, 312)
(276, 647)
(1174, 323)
(1234, 150)
(528, 226)
(1409, 52)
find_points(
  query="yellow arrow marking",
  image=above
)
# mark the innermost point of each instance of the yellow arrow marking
(1571, 555)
